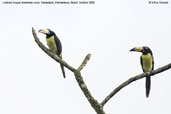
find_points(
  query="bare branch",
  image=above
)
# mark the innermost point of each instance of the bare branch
(130, 80)
(52, 55)
(87, 58)
(94, 103)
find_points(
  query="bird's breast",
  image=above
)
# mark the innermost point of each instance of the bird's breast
(51, 44)
(147, 62)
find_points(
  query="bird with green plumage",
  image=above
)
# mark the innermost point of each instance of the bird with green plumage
(147, 63)
(54, 44)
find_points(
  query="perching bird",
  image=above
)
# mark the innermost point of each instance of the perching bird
(54, 44)
(147, 63)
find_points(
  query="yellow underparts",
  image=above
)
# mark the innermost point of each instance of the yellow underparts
(51, 44)
(147, 62)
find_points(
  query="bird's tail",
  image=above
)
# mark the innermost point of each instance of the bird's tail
(148, 85)
(63, 71)
(62, 67)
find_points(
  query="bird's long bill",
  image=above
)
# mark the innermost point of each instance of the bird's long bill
(138, 49)
(44, 31)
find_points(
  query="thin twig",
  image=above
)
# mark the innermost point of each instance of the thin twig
(130, 80)
(87, 58)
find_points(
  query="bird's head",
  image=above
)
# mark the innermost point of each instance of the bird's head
(47, 32)
(144, 49)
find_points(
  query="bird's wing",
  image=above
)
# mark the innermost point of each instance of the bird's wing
(141, 60)
(153, 62)
(58, 45)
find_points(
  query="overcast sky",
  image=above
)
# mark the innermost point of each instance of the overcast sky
(32, 83)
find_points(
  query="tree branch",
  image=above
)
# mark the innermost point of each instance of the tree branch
(87, 58)
(98, 107)
(130, 80)
(94, 103)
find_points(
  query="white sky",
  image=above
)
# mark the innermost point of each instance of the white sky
(32, 83)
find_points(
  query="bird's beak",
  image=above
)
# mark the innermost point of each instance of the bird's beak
(137, 49)
(44, 31)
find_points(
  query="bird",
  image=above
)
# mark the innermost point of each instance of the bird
(54, 44)
(147, 63)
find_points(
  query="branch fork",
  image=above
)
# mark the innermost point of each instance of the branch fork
(98, 107)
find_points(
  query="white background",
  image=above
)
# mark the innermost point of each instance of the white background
(32, 83)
